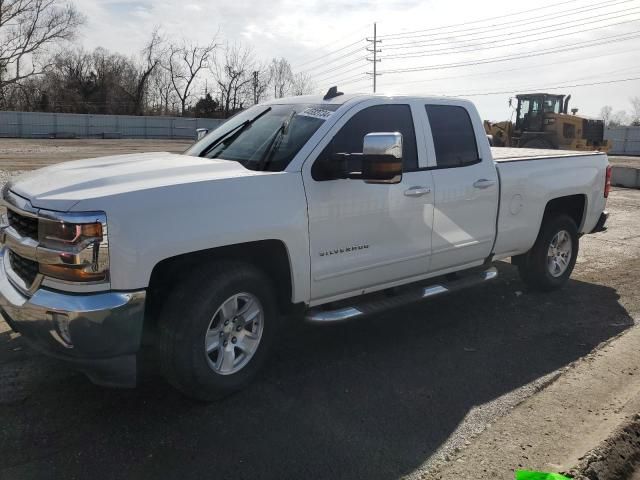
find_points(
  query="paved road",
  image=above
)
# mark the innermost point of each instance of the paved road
(371, 399)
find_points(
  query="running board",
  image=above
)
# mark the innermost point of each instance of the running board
(324, 316)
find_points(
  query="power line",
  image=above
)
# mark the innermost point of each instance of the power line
(559, 87)
(350, 34)
(549, 51)
(546, 29)
(482, 46)
(329, 62)
(410, 34)
(359, 77)
(328, 78)
(324, 57)
(496, 72)
(348, 64)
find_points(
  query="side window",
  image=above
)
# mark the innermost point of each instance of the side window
(453, 136)
(379, 118)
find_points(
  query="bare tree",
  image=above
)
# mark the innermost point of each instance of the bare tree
(162, 91)
(184, 63)
(87, 82)
(301, 84)
(234, 74)
(618, 119)
(280, 75)
(151, 59)
(605, 114)
(635, 110)
(27, 28)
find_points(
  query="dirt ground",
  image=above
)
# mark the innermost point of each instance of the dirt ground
(625, 161)
(469, 386)
(25, 154)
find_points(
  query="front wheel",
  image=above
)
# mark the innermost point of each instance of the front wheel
(216, 330)
(548, 265)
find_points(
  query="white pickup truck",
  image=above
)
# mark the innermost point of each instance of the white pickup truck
(323, 208)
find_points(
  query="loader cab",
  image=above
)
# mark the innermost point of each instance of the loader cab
(534, 111)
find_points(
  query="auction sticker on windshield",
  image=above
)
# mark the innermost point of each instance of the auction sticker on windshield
(316, 112)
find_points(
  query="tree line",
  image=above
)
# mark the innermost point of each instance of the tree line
(621, 118)
(39, 72)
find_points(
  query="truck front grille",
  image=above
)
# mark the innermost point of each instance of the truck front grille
(26, 269)
(24, 225)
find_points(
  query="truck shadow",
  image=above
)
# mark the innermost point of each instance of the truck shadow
(374, 398)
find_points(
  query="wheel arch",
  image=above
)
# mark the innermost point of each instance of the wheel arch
(573, 205)
(270, 256)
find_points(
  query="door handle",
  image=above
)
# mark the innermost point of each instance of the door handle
(484, 183)
(417, 191)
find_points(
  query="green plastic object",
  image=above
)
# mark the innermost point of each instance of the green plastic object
(527, 475)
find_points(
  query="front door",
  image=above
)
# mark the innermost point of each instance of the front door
(366, 235)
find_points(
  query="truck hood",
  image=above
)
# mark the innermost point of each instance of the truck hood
(60, 187)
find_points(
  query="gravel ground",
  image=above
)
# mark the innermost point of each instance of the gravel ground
(391, 396)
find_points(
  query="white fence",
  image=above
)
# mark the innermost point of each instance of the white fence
(71, 125)
(626, 140)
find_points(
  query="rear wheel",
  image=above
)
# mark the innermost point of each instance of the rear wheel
(216, 330)
(548, 265)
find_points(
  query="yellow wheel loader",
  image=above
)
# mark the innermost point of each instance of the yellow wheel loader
(543, 121)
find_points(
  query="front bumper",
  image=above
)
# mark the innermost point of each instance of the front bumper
(98, 333)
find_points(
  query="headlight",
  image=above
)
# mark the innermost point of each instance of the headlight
(73, 247)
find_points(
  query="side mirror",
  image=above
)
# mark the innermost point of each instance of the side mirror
(379, 162)
(382, 158)
(201, 132)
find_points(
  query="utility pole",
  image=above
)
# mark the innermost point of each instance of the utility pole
(375, 50)
(255, 87)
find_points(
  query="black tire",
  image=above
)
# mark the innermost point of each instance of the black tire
(539, 143)
(186, 317)
(533, 266)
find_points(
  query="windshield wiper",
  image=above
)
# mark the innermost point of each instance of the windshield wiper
(234, 132)
(274, 143)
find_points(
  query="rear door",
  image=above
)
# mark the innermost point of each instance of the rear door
(466, 188)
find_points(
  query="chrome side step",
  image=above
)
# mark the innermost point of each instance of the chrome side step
(324, 316)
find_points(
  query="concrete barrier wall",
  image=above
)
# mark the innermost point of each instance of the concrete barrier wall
(626, 140)
(70, 125)
(625, 177)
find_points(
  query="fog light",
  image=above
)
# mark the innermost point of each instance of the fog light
(61, 332)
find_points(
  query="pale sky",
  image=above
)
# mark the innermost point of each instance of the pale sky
(599, 41)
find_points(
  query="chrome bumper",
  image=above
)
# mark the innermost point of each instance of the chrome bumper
(99, 332)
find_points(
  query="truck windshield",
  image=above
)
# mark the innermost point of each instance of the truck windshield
(249, 137)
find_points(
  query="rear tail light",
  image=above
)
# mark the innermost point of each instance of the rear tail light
(607, 182)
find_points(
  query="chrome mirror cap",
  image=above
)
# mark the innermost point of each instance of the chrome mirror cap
(383, 143)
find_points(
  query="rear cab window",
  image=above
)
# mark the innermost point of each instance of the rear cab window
(454, 139)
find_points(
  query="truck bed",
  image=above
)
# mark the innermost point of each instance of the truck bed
(507, 154)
